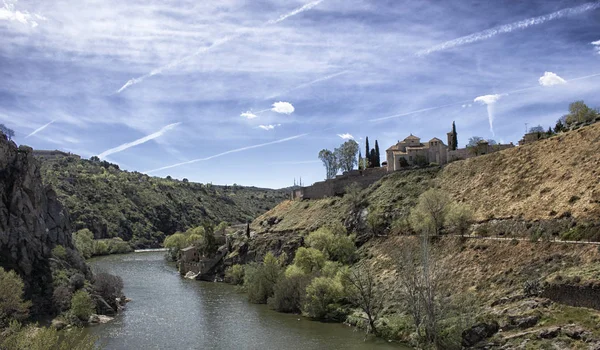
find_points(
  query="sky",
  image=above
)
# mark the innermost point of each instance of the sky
(249, 92)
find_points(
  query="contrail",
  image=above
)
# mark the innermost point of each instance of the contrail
(138, 141)
(217, 43)
(417, 111)
(302, 86)
(227, 152)
(40, 129)
(507, 28)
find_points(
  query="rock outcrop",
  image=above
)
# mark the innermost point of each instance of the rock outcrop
(32, 223)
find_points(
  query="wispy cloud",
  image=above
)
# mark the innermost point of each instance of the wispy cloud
(283, 108)
(305, 85)
(10, 13)
(550, 79)
(40, 129)
(269, 127)
(248, 115)
(215, 44)
(507, 28)
(490, 102)
(346, 136)
(228, 152)
(596, 46)
(418, 111)
(138, 141)
(294, 162)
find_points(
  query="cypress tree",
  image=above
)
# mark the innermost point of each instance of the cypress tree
(360, 162)
(377, 156)
(367, 154)
(372, 157)
(454, 137)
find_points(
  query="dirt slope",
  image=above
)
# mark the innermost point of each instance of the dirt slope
(544, 179)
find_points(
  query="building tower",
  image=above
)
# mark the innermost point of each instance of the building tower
(453, 138)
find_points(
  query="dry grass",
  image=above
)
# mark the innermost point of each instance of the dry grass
(544, 179)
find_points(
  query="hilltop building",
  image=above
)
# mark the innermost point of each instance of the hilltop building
(411, 151)
(404, 154)
(48, 154)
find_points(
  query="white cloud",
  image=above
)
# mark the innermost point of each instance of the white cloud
(489, 101)
(248, 115)
(283, 108)
(597, 46)
(550, 79)
(9, 13)
(138, 141)
(346, 136)
(268, 127)
(466, 105)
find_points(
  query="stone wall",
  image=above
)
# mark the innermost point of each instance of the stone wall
(337, 186)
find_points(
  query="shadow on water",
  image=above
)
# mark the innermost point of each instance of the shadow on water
(169, 312)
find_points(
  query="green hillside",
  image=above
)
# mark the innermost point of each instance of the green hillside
(143, 209)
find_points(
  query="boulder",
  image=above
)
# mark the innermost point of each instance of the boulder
(58, 324)
(479, 332)
(515, 322)
(550, 333)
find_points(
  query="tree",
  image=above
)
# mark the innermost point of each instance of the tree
(335, 246)
(538, 129)
(346, 155)
(560, 125)
(367, 153)
(82, 305)
(549, 132)
(372, 158)
(459, 218)
(330, 162)
(362, 290)
(12, 306)
(473, 141)
(84, 242)
(454, 137)
(309, 259)
(491, 142)
(360, 161)
(10, 133)
(260, 279)
(579, 112)
(430, 212)
(377, 155)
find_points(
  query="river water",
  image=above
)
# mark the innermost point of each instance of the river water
(169, 312)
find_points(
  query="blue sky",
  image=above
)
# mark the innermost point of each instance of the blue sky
(171, 85)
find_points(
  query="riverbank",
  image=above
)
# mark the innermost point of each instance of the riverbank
(169, 311)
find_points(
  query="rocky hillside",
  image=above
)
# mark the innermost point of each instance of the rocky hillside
(32, 223)
(143, 209)
(550, 178)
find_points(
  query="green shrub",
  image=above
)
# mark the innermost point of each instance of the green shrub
(309, 259)
(260, 279)
(100, 248)
(335, 246)
(84, 242)
(294, 270)
(12, 305)
(323, 298)
(82, 305)
(234, 274)
(32, 337)
(289, 293)
(59, 252)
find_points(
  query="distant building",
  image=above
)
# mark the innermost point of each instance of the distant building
(411, 151)
(48, 154)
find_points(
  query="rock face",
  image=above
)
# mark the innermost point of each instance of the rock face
(32, 223)
(478, 333)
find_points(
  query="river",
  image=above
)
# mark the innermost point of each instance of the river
(169, 312)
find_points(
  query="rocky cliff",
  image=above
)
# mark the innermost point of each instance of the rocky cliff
(32, 223)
